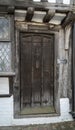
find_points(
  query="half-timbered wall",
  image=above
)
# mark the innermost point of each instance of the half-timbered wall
(63, 80)
(56, 22)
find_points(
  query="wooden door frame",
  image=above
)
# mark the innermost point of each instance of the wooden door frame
(17, 104)
(73, 70)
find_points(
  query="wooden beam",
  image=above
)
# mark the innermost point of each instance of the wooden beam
(73, 73)
(30, 13)
(7, 9)
(10, 9)
(24, 4)
(49, 16)
(3, 9)
(7, 2)
(69, 19)
(42, 5)
(32, 26)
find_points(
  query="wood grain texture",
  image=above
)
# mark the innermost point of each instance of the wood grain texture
(36, 70)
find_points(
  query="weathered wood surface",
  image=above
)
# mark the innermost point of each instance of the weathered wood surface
(30, 13)
(7, 2)
(69, 19)
(73, 71)
(37, 80)
(64, 74)
(44, 5)
(67, 36)
(49, 15)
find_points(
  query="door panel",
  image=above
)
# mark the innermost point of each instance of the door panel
(36, 56)
(36, 71)
(47, 70)
(26, 71)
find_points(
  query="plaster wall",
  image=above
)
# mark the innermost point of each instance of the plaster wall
(7, 114)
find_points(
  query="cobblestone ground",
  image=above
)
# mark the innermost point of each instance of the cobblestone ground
(58, 126)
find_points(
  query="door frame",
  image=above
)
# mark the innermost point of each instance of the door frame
(19, 29)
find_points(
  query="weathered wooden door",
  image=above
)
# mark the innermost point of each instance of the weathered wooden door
(37, 70)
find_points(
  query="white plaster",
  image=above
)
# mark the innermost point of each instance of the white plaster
(57, 19)
(66, 1)
(38, 16)
(4, 86)
(64, 106)
(65, 116)
(7, 112)
(20, 15)
(36, 0)
(52, 1)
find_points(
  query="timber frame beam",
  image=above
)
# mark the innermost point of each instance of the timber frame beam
(43, 6)
(37, 5)
(73, 73)
(30, 13)
(9, 6)
(49, 15)
(70, 18)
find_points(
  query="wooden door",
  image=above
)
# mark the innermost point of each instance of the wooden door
(37, 70)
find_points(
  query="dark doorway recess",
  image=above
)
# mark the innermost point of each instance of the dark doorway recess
(36, 73)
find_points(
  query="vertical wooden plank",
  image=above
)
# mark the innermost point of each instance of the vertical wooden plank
(16, 85)
(13, 42)
(47, 71)
(73, 72)
(26, 70)
(52, 70)
(36, 70)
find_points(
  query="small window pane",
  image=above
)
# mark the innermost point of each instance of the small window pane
(5, 56)
(4, 28)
